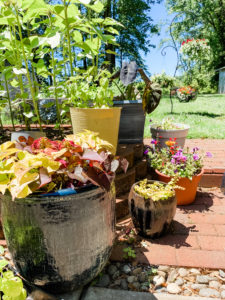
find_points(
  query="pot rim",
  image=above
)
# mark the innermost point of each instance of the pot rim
(95, 109)
(126, 101)
(164, 175)
(136, 194)
(52, 199)
(172, 130)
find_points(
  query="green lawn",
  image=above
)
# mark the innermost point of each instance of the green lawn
(206, 116)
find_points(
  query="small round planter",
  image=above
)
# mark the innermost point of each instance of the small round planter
(151, 218)
(187, 196)
(60, 243)
(105, 121)
(36, 134)
(162, 135)
(132, 121)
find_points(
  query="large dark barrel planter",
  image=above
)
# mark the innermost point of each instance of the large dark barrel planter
(132, 121)
(60, 243)
(151, 218)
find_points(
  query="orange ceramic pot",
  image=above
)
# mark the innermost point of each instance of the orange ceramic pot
(187, 196)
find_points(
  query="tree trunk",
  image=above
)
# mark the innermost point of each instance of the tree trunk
(109, 56)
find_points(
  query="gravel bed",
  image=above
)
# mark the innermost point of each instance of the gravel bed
(158, 279)
(163, 279)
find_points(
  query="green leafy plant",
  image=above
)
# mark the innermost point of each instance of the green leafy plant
(168, 124)
(174, 161)
(42, 166)
(129, 253)
(89, 89)
(157, 190)
(11, 286)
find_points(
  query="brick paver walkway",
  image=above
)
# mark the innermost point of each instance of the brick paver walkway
(197, 237)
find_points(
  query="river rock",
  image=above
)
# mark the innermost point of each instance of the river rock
(214, 284)
(198, 286)
(172, 276)
(116, 275)
(161, 273)
(137, 271)
(142, 277)
(222, 294)
(111, 269)
(123, 284)
(195, 271)
(158, 280)
(183, 272)
(222, 273)
(164, 268)
(222, 287)
(131, 279)
(117, 282)
(179, 281)
(136, 285)
(187, 293)
(144, 288)
(173, 288)
(126, 269)
(207, 292)
(104, 281)
(202, 279)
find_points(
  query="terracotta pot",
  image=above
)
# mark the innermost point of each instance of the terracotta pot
(151, 218)
(187, 196)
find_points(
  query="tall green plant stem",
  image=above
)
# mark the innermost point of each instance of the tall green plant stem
(9, 101)
(19, 65)
(27, 69)
(55, 89)
(1, 125)
(68, 36)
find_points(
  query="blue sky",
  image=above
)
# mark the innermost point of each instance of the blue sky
(154, 60)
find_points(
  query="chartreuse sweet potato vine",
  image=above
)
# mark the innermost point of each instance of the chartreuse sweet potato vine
(11, 286)
(40, 166)
(157, 190)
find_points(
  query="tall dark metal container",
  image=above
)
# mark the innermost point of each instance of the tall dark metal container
(132, 121)
(60, 243)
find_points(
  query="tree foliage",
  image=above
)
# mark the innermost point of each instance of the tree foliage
(135, 36)
(201, 19)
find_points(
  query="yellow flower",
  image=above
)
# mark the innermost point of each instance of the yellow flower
(170, 143)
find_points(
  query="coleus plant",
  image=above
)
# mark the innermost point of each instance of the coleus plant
(42, 166)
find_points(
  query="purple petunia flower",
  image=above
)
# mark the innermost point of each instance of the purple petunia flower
(154, 142)
(173, 161)
(195, 149)
(209, 154)
(195, 157)
(146, 151)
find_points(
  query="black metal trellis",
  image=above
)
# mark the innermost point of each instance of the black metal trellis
(173, 90)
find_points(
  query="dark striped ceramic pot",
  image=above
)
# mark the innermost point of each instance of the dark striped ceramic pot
(151, 218)
(60, 243)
